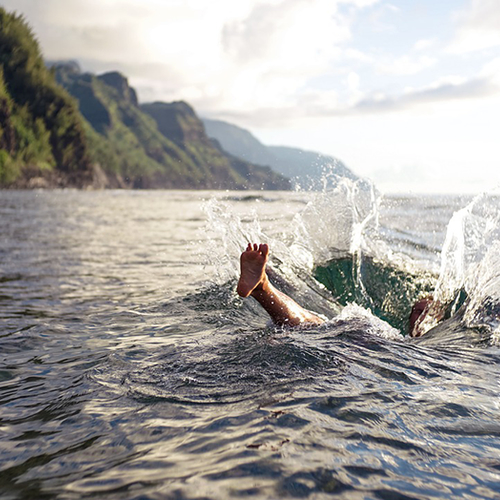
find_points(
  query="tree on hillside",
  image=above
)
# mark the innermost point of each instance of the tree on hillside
(39, 122)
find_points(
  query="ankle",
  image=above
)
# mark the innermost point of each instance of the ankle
(263, 287)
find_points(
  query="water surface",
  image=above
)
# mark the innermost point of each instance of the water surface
(129, 368)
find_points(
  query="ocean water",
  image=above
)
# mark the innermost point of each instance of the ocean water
(130, 369)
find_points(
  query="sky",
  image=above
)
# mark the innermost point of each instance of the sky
(405, 93)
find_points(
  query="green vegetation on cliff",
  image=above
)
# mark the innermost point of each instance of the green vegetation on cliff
(40, 126)
(124, 141)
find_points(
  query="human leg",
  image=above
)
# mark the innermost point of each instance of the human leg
(284, 311)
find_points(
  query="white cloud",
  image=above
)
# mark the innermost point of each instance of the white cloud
(479, 27)
(358, 56)
(446, 89)
(354, 93)
(312, 105)
(407, 65)
(352, 81)
(424, 44)
(491, 71)
(292, 35)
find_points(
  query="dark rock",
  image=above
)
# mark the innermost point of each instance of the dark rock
(120, 83)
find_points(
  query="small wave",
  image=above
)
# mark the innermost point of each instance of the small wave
(246, 367)
(251, 197)
(365, 321)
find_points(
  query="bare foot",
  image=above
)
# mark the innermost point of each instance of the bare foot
(253, 269)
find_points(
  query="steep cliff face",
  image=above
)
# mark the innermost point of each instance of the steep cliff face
(179, 122)
(239, 142)
(120, 84)
(124, 142)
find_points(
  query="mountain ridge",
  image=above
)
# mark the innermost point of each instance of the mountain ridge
(60, 127)
(156, 144)
(305, 168)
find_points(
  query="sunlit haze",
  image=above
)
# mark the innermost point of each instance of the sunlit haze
(406, 93)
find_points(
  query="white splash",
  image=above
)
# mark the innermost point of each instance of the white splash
(336, 222)
(371, 324)
(470, 261)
